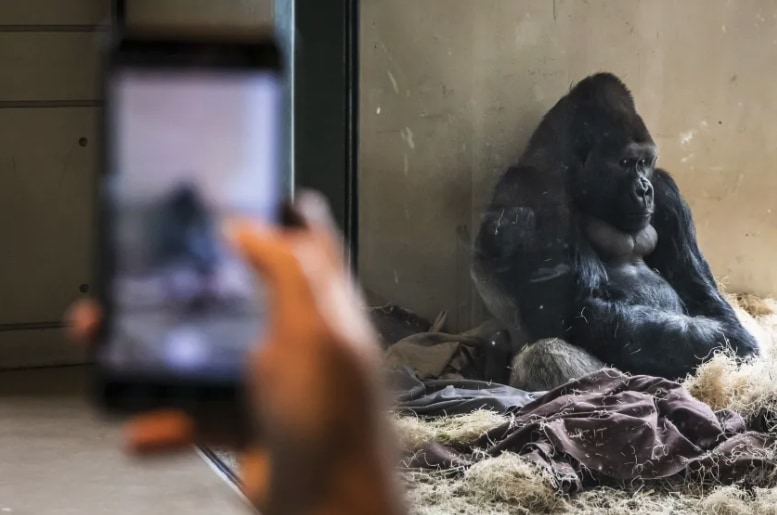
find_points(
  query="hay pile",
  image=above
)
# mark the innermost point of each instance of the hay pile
(749, 388)
(509, 484)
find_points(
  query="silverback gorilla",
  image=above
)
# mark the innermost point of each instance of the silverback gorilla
(588, 253)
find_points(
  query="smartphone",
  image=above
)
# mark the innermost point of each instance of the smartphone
(193, 132)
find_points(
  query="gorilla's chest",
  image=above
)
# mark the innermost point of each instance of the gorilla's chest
(634, 283)
(630, 280)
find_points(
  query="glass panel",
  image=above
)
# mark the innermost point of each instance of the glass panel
(578, 234)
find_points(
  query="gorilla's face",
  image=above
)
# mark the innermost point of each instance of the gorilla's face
(614, 184)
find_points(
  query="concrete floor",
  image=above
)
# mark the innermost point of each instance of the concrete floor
(57, 456)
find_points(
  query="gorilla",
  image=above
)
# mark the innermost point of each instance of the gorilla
(587, 252)
(186, 246)
(186, 232)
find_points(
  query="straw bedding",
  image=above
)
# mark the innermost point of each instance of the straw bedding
(509, 484)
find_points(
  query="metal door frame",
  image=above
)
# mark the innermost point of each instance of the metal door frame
(321, 43)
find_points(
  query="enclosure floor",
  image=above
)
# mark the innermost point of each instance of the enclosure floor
(57, 456)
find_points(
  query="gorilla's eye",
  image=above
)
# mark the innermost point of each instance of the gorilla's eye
(643, 163)
(625, 163)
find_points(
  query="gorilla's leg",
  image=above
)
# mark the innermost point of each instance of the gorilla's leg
(549, 363)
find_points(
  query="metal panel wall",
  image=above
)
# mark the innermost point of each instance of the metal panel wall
(48, 142)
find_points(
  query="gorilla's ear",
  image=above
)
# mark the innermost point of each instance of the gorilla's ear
(583, 133)
(581, 155)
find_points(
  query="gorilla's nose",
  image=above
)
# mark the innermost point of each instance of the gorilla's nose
(642, 191)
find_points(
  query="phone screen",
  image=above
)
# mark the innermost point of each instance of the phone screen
(191, 148)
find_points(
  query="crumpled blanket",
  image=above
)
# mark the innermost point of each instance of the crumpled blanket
(440, 397)
(606, 427)
(395, 322)
(612, 427)
(482, 353)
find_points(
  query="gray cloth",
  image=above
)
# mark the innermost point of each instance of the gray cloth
(434, 373)
(452, 397)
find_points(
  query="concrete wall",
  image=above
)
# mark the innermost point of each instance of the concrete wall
(452, 89)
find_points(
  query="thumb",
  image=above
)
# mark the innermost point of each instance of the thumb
(274, 255)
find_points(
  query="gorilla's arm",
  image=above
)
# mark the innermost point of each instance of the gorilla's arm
(679, 260)
(645, 340)
(523, 247)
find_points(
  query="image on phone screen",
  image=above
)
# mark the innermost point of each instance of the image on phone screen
(191, 149)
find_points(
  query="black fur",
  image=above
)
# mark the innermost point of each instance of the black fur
(651, 308)
(185, 232)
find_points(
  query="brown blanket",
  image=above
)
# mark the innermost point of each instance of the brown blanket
(611, 427)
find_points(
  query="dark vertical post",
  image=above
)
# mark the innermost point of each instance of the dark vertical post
(323, 53)
(120, 12)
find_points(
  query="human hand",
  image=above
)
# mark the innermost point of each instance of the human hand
(313, 382)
